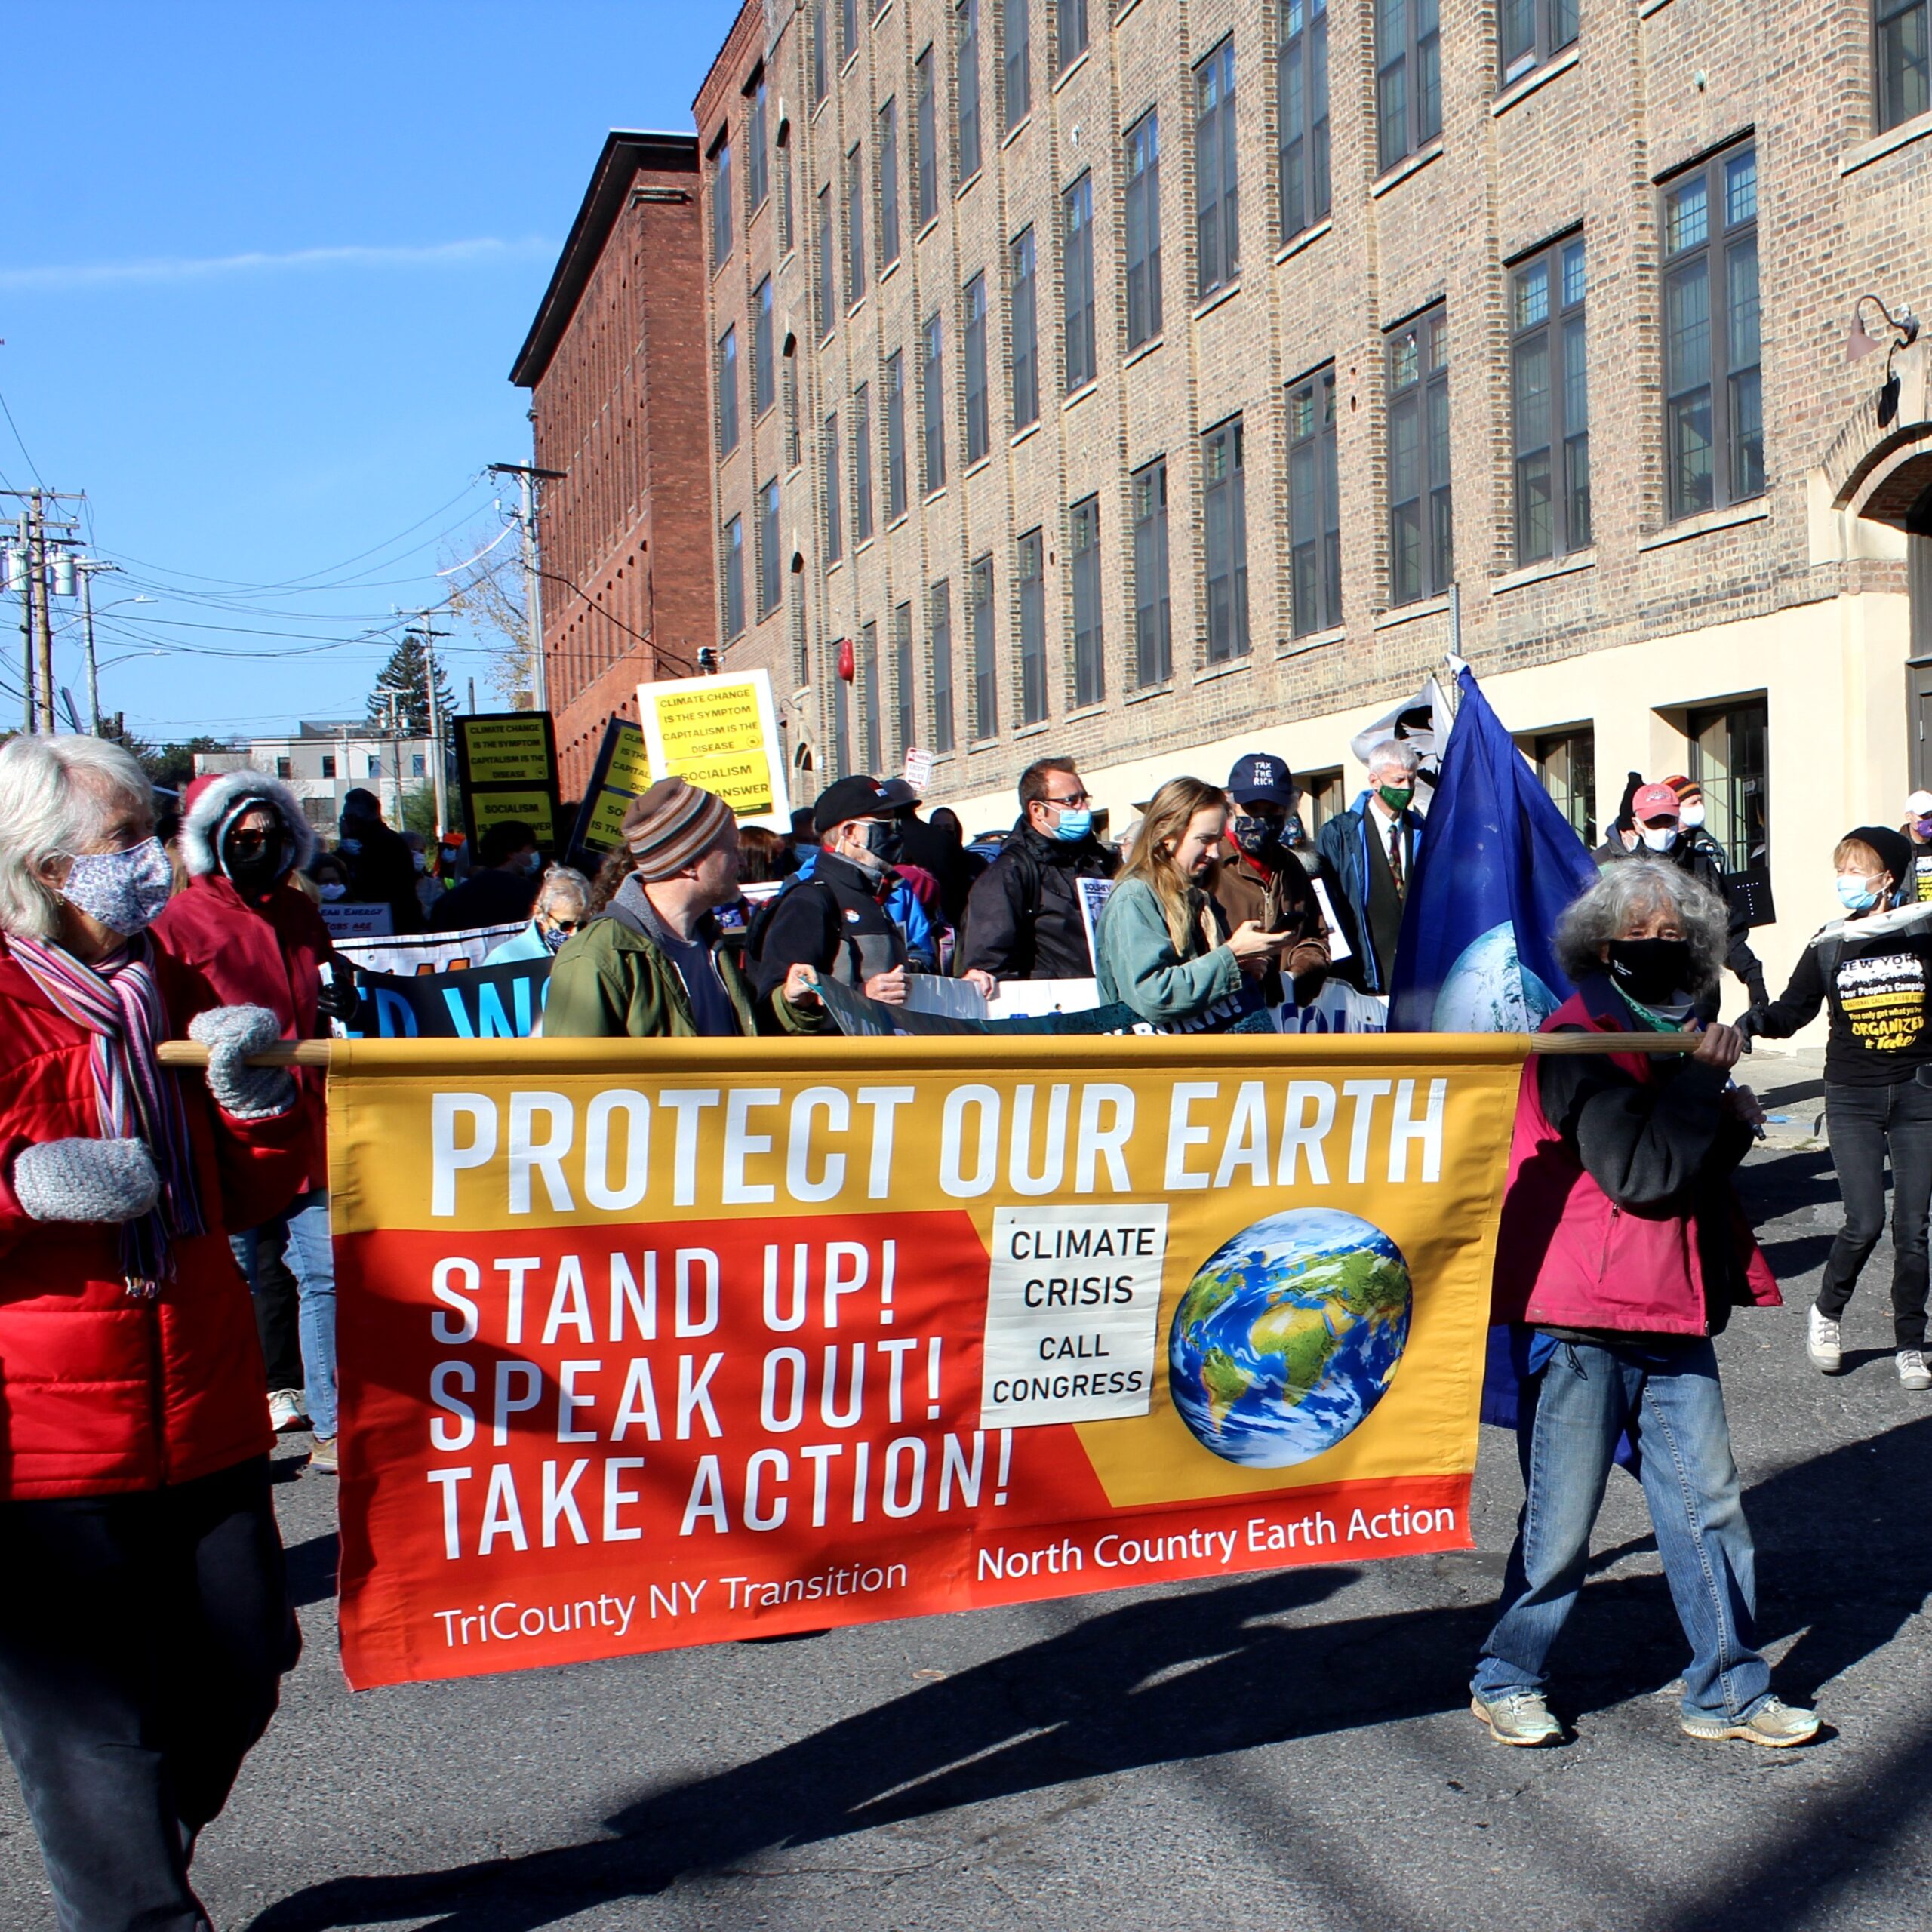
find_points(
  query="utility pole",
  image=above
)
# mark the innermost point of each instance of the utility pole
(43, 619)
(30, 578)
(86, 567)
(438, 768)
(26, 574)
(529, 476)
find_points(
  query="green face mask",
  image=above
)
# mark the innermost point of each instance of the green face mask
(1396, 797)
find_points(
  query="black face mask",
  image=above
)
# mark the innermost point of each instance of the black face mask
(888, 842)
(1259, 837)
(260, 870)
(1651, 970)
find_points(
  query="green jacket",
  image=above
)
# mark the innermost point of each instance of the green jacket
(613, 981)
(1137, 964)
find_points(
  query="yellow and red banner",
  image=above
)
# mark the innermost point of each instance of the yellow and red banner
(660, 1342)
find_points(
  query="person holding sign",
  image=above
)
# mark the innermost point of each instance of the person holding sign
(652, 965)
(1164, 946)
(1262, 879)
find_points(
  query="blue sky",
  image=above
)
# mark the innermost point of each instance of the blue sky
(263, 273)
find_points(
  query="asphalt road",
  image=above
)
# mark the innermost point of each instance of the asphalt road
(1293, 1749)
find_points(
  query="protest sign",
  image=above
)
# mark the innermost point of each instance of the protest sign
(722, 734)
(427, 952)
(622, 770)
(504, 1002)
(358, 918)
(671, 1341)
(506, 767)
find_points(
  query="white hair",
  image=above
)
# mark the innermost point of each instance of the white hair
(1393, 750)
(55, 796)
(562, 882)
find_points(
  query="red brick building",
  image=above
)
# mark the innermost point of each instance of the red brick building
(615, 363)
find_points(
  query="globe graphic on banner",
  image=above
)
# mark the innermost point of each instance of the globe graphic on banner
(1490, 990)
(1288, 1335)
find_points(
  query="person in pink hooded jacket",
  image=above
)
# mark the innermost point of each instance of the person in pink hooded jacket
(1622, 1252)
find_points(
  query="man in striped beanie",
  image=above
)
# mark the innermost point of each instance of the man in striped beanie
(652, 963)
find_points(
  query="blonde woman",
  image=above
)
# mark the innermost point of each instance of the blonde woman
(1164, 944)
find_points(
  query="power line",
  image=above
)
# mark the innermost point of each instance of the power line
(32, 467)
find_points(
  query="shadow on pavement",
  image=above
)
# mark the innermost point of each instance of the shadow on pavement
(1207, 1672)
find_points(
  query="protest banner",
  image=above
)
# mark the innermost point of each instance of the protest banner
(722, 734)
(503, 1002)
(427, 952)
(669, 1342)
(506, 767)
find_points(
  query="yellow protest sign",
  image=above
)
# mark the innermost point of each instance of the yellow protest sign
(722, 734)
(507, 749)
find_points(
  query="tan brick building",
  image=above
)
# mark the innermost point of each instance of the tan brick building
(1330, 311)
(615, 363)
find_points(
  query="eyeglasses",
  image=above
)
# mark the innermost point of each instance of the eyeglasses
(566, 925)
(1072, 801)
(248, 841)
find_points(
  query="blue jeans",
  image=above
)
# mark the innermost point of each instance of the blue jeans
(1670, 1402)
(311, 1260)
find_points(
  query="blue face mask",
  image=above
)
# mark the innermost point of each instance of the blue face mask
(125, 891)
(1856, 893)
(1073, 826)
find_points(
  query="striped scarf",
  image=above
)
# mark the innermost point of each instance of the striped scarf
(119, 1004)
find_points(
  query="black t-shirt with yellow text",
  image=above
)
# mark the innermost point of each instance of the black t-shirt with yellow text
(1876, 977)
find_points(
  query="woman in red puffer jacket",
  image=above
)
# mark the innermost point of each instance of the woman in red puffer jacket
(144, 1615)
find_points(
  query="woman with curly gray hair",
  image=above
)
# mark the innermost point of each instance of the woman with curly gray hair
(144, 1616)
(1622, 1252)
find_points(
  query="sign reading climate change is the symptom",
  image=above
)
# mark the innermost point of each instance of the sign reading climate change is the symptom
(659, 1342)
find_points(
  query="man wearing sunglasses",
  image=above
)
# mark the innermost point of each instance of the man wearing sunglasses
(1023, 919)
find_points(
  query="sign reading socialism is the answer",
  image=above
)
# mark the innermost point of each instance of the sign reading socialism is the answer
(672, 1342)
(721, 733)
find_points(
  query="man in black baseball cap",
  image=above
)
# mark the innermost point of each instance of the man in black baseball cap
(1264, 881)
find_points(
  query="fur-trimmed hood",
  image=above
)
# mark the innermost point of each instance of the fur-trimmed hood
(212, 801)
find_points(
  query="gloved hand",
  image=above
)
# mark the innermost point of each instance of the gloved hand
(86, 1180)
(231, 1034)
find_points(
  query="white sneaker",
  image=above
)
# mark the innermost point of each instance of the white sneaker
(285, 1411)
(1821, 1343)
(1913, 1373)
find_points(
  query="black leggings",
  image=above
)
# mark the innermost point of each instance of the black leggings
(142, 1639)
(1865, 1124)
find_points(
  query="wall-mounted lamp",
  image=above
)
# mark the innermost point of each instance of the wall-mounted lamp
(1903, 327)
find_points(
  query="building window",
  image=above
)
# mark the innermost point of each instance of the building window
(1015, 33)
(790, 358)
(727, 391)
(770, 571)
(418, 765)
(966, 90)
(1904, 28)
(895, 436)
(1153, 624)
(862, 460)
(1023, 317)
(1408, 78)
(1315, 508)
(1714, 420)
(848, 29)
(942, 665)
(979, 436)
(1224, 518)
(888, 185)
(328, 764)
(1566, 761)
(1089, 670)
(284, 767)
(757, 179)
(932, 400)
(1729, 760)
(764, 363)
(828, 299)
(902, 690)
(1301, 77)
(1032, 631)
(1422, 557)
(1077, 280)
(870, 722)
(925, 142)
(721, 204)
(818, 51)
(986, 680)
(1216, 213)
(855, 226)
(787, 240)
(1070, 17)
(1322, 796)
(1528, 32)
(1144, 230)
(834, 530)
(734, 578)
(1550, 423)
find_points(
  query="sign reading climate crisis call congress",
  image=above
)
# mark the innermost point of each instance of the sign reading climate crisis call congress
(649, 1344)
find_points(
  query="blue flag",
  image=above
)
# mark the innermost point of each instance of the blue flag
(1499, 865)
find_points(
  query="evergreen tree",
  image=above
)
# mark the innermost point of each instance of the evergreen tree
(403, 674)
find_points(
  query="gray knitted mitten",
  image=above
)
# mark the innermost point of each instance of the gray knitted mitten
(86, 1180)
(231, 1034)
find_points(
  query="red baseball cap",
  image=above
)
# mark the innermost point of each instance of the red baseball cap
(1650, 801)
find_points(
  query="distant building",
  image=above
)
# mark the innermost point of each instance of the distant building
(326, 759)
(616, 365)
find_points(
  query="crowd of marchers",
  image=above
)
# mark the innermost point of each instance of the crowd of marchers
(167, 1306)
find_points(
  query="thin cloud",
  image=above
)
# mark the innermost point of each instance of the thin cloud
(165, 269)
